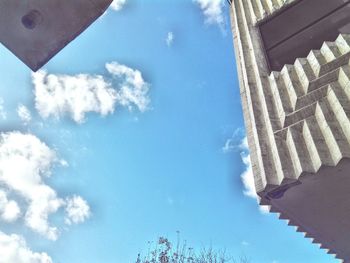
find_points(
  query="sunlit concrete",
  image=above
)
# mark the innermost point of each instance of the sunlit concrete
(298, 126)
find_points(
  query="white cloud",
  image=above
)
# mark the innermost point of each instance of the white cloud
(76, 95)
(118, 4)
(13, 249)
(169, 39)
(24, 114)
(9, 209)
(3, 114)
(25, 163)
(247, 176)
(212, 10)
(77, 210)
(133, 88)
(57, 95)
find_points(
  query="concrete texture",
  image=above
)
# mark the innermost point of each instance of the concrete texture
(36, 30)
(298, 128)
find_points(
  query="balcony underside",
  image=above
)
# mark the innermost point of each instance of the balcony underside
(318, 205)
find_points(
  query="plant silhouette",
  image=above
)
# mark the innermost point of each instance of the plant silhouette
(163, 251)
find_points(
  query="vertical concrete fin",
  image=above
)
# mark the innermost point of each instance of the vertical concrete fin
(317, 143)
(343, 43)
(299, 150)
(330, 51)
(292, 82)
(316, 60)
(325, 119)
(304, 72)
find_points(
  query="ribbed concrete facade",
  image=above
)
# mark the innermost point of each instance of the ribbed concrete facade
(298, 129)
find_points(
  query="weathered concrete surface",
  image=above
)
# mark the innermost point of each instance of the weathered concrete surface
(36, 30)
(298, 128)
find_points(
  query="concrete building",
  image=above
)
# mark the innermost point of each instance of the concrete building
(293, 62)
(36, 30)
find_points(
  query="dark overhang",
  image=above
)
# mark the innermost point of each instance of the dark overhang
(301, 27)
(36, 30)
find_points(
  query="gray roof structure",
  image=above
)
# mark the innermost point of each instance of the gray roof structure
(36, 30)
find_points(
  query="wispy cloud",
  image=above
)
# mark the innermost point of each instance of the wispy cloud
(76, 95)
(24, 114)
(118, 4)
(133, 89)
(212, 10)
(14, 249)
(3, 114)
(234, 142)
(245, 243)
(169, 39)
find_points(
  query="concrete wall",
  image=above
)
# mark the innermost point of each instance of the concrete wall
(297, 121)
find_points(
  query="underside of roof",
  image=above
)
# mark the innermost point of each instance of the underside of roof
(36, 30)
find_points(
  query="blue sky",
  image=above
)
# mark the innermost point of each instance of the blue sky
(132, 132)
